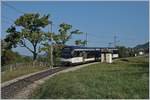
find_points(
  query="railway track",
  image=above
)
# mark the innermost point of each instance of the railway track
(10, 90)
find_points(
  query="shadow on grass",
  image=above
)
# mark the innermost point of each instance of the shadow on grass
(126, 60)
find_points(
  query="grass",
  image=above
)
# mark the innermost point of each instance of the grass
(125, 78)
(9, 75)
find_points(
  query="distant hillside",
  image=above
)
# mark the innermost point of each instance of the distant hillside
(142, 46)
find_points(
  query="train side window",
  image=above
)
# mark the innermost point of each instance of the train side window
(77, 54)
(90, 54)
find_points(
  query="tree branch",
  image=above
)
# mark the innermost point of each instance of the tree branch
(24, 45)
(28, 48)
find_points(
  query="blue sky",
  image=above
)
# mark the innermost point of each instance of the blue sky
(101, 20)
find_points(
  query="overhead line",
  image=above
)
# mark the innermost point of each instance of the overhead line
(6, 21)
(16, 9)
(8, 18)
(96, 35)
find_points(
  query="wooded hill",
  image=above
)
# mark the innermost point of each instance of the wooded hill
(142, 46)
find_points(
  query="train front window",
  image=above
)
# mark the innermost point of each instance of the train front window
(115, 51)
(66, 50)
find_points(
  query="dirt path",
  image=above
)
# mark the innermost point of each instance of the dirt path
(26, 92)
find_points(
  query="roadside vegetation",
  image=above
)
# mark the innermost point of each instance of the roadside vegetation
(125, 78)
(11, 74)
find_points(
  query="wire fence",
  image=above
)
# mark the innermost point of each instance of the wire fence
(22, 65)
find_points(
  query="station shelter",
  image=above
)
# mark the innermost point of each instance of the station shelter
(106, 55)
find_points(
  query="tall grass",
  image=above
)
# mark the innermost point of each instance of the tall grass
(11, 74)
(125, 78)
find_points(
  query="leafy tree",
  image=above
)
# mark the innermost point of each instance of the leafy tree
(47, 49)
(131, 51)
(59, 40)
(4, 49)
(123, 51)
(30, 26)
(7, 55)
(80, 42)
(65, 33)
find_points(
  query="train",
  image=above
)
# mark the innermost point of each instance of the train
(77, 54)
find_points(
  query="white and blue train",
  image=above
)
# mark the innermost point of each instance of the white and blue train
(78, 54)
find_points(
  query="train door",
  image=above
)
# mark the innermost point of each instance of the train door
(97, 55)
(84, 56)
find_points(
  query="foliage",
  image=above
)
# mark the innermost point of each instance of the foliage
(47, 49)
(26, 59)
(28, 29)
(123, 51)
(7, 55)
(30, 26)
(8, 75)
(65, 33)
(120, 80)
(59, 41)
(143, 46)
(129, 52)
(57, 54)
(11, 57)
(80, 42)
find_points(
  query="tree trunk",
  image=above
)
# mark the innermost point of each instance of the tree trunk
(34, 53)
(34, 56)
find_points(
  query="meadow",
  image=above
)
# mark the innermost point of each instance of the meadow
(124, 78)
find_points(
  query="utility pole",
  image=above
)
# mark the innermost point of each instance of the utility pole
(86, 39)
(50, 27)
(115, 37)
(115, 41)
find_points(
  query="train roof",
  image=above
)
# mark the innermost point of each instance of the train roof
(81, 47)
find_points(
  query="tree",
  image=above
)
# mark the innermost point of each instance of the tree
(4, 51)
(65, 33)
(123, 51)
(7, 55)
(47, 49)
(80, 42)
(30, 26)
(59, 40)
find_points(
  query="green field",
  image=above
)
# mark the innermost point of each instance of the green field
(9, 75)
(125, 78)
